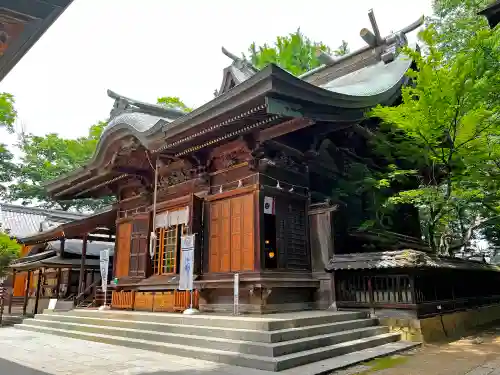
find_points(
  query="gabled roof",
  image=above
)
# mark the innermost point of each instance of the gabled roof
(22, 23)
(20, 221)
(342, 88)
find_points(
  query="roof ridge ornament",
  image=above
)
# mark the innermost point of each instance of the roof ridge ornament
(373, 40)
(239, 60)
(240, 70)
(124, 104)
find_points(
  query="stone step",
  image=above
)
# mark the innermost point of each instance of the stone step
(230, 357)
(10, 320)
(224, 344)
(222, 332)
(271, 322)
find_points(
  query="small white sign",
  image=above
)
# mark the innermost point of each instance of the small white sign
(236, 294)
(186, 276)
(52, 304)
(269, 206)
(104, 265)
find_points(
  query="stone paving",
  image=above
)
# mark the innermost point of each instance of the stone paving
(32, 353)
(475, 355)
(56, 355)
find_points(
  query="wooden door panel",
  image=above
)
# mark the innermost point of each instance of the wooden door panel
(232, 245)
(123, 249)
(236, 231)
(214, 244)
(225, 239)
(139, 247)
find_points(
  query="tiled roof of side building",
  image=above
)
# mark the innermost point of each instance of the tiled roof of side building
(20, 221)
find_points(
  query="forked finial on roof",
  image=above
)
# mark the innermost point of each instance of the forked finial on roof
(376, 31)
(374, 39)
(230, 55)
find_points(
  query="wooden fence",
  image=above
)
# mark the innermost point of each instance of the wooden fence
(165, 301)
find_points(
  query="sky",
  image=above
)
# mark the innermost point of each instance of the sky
(151, 48)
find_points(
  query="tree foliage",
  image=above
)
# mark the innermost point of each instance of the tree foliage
(448, 129)
(45, 158)
(9, 250)
(8, 113)
(173, 102)
(456, 22)
(295, 53)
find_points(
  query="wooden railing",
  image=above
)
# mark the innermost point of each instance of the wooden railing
(86, 293)
(165, 301)
(122, 299)
(183, 300)
(426, 292)
(388, 291)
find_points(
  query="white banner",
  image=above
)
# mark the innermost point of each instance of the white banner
(187, 262)
(104, 263)
(269, 207)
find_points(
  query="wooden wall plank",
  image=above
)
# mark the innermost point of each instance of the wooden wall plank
(225, 238)
(248, 230)
(123, 256)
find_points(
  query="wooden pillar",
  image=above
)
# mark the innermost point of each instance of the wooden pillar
(12, 291)
(38, 284)
(81, 281)
(63, 242)
(92, 279)
(26, 292)
(58, 282)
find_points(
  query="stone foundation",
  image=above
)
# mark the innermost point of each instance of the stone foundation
(455, 324)
(260, 293)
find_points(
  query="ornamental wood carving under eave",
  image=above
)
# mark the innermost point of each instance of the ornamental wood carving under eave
(281, 160)
(174, 178)
(227, 156)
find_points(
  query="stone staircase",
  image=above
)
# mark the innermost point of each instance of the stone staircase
(296, 342)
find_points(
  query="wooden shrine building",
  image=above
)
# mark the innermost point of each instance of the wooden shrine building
(251, 173)
(61, 261)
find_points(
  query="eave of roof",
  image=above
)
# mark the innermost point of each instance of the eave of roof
(42, 211)
(56, 262)
(492, 13)
(402, 259)
(73, 229)
(44, 14)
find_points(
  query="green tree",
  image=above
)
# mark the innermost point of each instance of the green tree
(295, 53)
(173, 102)
(450, 114)
(456, 22)
(48, 157)
(8, 113)
(9, 250)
